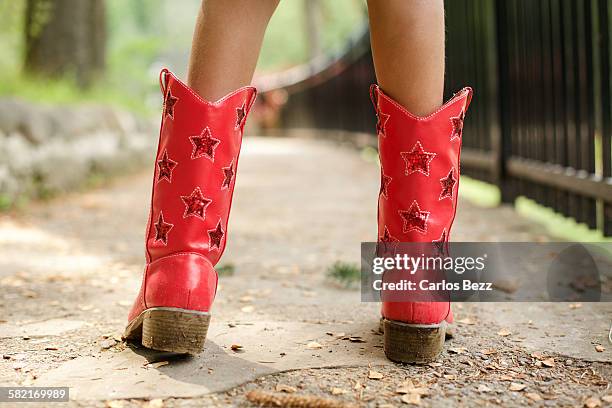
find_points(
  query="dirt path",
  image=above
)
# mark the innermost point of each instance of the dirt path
(69, 271)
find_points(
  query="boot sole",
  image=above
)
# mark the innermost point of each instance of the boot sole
(413, 343)
(170, 329)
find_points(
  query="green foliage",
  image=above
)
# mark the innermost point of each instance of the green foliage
(144, 35)
(347, 274)
(226, 269)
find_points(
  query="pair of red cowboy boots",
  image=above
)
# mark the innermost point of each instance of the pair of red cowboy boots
(195, 171)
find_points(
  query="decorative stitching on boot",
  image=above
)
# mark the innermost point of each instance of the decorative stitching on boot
(384, 184)
(440, 243)
(228, 173)
(195, 204)
(204, 145)
(165, 165)
(381, 123)
(169, 102)
(414, 218)
(240, 116)
(448, 185)
(457, 123)
(162, 228)
(215, 236)
(417, 160)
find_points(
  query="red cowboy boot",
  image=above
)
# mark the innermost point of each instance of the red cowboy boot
(193, 183)
(419, 159)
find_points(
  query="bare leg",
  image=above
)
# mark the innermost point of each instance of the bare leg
(408, 48)
(226, 44)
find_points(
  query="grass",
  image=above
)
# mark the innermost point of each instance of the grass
(487, 195)
(227, 269)
(347, 274)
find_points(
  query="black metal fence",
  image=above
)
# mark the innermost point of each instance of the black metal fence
(540, 125)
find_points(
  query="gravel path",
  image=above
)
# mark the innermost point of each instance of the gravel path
(69, 270)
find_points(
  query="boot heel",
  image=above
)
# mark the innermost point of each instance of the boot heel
(412, 343)
(175, 330)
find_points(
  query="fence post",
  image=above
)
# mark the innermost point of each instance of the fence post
(500, 138)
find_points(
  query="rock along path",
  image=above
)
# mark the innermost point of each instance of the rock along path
(70, 268)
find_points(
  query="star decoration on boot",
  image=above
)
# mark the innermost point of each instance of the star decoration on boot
(448, 185)
(169, 103)
(381, 123)
(387, 237)
(195, 204)
(228, 173)
(457, 123)
(414, 218)
(384, 184)
(440, 244)
(215, 236)
(204, 145)
(240, 115)
(162, 229)
(387, 243)
(417, 160)
(165, 165)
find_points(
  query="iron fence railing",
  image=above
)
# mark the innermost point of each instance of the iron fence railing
(540, 125)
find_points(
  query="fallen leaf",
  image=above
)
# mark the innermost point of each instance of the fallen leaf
(517, 387)
(248, 309)
(414, 399)
(246, 299)
(405, 387)
(592, 402)
(504, 333)
(533, 396)
(488, 352)
(356, 339)
(313, 345)
(483, 388)
(285, 388)
(236, 347)
(575, 305)
(466, 320)
(538, 355)
(450, 376)
(158, 364)
(599, 348)
(435, 364)
(337, 391)
(549, 362)
(375, 375)
(357, 386)
(457, 350)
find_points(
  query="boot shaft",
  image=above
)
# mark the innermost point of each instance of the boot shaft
(195, 170)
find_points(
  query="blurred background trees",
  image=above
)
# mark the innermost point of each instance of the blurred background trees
(60, 51)
(65, 36)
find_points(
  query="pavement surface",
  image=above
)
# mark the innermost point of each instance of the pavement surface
(70, 268)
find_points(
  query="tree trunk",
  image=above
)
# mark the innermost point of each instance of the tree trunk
(65, 37)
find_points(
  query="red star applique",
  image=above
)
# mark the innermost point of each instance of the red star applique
(169, 103)
(440, 244)
(215, 236)
(228, 173)
(417, 160)
(165, 165)
(240, 115)
(162, 229)
(448, 184)
(384, 184)
(195, 204)
(381, 123)
(387, 237)
(414, 218)
(204, 145)
(457, 123)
